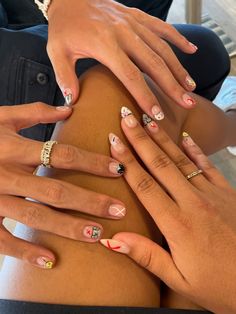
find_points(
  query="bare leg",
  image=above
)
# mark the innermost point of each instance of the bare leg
(89, 274)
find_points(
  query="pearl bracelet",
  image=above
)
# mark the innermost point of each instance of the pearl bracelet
(43, 6)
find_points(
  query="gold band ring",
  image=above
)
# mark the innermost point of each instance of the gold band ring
(194, 174)
(46, 153)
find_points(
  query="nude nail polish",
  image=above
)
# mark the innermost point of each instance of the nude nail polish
(190, 82)
(150, 123)
(128, 117)
(117, 210)
(115, 245)
(68, 96)
(188, 100)
(92, 232)
(187, 139)
(157, 113)
(116, 168)
(193, 46)
(45, 262)
(116, 143)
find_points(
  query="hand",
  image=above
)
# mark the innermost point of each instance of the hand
(18, 159)
(196, 217)
(123, 39)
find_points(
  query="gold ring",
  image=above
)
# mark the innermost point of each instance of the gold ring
(46, 153)
(194, 174)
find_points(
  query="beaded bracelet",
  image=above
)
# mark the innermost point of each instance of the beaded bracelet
(43, 6)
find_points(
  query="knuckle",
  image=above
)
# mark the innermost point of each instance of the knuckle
(31, 215)
(182, 161)
(132, 74)
(67, 153)
(160, 161)
(145, 185)
(140, 136)
(156, 61)
(55, 193)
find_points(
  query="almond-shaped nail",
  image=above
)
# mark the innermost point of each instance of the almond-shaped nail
(193, 46)
(190, 82)
(68, 96)
(44, 262)
(116, 168)
(116, 246)
(128, 117)
(117, 210)
(125, 112)
(157, 113)
(150, 123)
(187, 139)
(116, 143)
(92, 232)
(188, 100)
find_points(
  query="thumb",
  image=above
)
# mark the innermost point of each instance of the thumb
(64, 68)
(147, 254)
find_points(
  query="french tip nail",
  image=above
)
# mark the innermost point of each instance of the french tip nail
(45, 262)
(92, 232)
(125, 112)
(115, 245)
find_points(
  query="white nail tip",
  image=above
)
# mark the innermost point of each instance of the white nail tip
(125, 112)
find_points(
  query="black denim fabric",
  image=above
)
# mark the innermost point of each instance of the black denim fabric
(17, 307)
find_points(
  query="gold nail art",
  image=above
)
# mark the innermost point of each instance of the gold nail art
(185, 134)
(48, 264)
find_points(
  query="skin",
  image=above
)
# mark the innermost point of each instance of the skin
(84, 274)
(127, 41)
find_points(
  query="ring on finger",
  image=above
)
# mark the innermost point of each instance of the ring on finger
(46, 151)
(194, 174)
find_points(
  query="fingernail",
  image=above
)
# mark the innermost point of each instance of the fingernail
(115, 245)
(117, 210)
(45, 262)
(128, 117)
(63, 108)
(193, 46)
(92, 232)
(187, 139)
(189, 100)
(68, 96)
(147, 121)
(157, 113)
(125, 112)
(116, 143)
(190, 82)
(116, 168)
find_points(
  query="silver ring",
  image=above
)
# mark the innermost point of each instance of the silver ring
(194, 174)
(46, 153)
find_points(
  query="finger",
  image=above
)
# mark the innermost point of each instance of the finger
(182, 162)
(131, 77)
(43, 218)
(149, 255)
(33, 254)
(200, 159)
(153, 65)
(161, 48)
(64, 68)
(157, 162)
(67, 157)
(61, 194)
(165, 31)
(159, 205)
(25, 116)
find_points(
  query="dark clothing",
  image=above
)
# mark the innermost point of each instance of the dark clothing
(15, 307)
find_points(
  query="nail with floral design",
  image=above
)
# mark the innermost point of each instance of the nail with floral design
(115, 245)
(67, 93)
(116, 143)
(128, 117)
(44, 262)
(92, 232)
(150, 123)
(125, 112)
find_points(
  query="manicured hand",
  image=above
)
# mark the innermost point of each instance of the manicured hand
(196, 216)
(18, 159)
(127, 41)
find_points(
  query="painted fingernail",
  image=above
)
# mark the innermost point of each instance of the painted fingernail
(63, 108)
(190, 82)
(187, 139)
(115, 245)
(92, 232)
(45, 262)
(150, 123)
(188, 100)
(68, 96)
(116, 143)
(193, 46)
(128, 117)
(116, 168)
(157, 113)
(117, 210)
